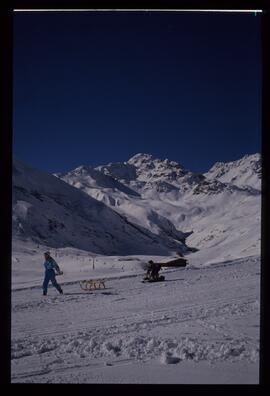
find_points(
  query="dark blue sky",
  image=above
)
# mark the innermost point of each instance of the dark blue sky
(93, 88)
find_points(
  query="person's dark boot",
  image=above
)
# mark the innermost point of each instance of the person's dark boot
(61, 291)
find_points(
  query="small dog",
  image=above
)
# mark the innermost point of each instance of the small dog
(92, 284)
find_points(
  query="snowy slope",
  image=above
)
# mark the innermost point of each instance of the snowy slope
(220, 210)
(51, 212)
(199, 326)
(85, 177)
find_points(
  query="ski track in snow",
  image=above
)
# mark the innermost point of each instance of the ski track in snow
(208, 315)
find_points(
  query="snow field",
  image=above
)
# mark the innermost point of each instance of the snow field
(197, 316)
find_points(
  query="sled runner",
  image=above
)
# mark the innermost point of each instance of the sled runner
(92, 284)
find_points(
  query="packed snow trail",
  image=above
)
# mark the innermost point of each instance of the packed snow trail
(199, 326)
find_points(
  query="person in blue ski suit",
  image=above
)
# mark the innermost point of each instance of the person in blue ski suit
(50, 265)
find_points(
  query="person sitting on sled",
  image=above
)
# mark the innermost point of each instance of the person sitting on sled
(50, 265)
(152, 271)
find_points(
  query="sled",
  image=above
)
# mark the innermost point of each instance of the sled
(161, 278)
(92, 284)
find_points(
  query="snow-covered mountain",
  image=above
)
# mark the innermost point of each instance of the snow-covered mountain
(243, 172)
(123, 199)
(220, 210)
(144, 205)
(143, 172)
(49, 211)
(85, 177)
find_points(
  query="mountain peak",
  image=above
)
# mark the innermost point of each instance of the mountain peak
(145, 158)
(243, 172)
(245, 159)
(141, 157)
(83, 168)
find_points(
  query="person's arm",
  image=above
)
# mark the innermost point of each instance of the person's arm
(55, 265)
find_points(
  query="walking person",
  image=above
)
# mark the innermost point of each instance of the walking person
(50, 265)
